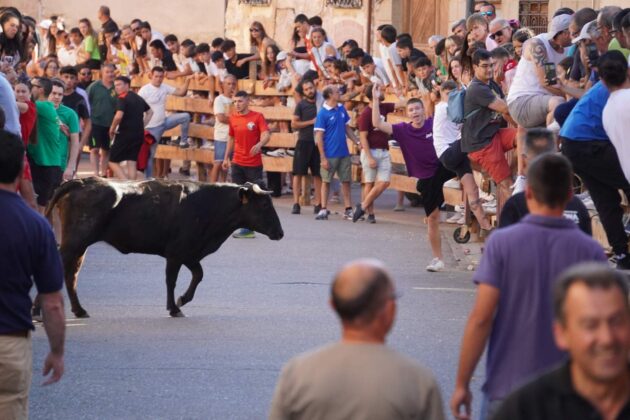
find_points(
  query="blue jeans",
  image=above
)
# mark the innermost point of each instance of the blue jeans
(172, 121)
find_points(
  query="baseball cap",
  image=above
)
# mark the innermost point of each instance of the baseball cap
(584, 33)
(281, 56)
(45, 24)
(558, 24)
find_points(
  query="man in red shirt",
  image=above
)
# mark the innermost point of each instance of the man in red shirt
(247, 136)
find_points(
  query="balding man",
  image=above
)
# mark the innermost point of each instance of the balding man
(358, 377)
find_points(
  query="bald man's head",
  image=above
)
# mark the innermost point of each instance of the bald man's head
(360, 289)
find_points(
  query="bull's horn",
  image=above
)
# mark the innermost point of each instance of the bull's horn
(259, 190)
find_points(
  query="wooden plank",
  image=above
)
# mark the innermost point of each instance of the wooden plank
(260, 90)
(453, 196)
(396, 156)
(201, 131)
(403, 183)
(187, 104)
(175, 153)
(274, 113)
(198, 83)
(284, 140)
(277, 164)
(248, 86)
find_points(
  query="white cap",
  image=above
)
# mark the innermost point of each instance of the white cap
(281, 56)
(584, 33)
(45, 24)
(558, 24)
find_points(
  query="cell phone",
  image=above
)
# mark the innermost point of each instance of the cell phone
(593, 54)
(550, 74)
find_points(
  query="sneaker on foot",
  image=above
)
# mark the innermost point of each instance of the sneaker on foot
(348, 213)
(358, 212)
(371, 219)
(322, 215)
(174, 142)
(399, 208)
(295, 209)
(435, 265)
(317, 208)
(184, 145)
(519, 184)
(244, 234)
(454, 218)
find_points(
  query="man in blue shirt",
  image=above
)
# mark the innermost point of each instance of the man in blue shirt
(331, 129)
(27, 253)
(595, 161)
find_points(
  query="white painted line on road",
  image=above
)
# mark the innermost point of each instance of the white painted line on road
(444, 289)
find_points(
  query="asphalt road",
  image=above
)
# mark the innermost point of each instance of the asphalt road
(260, 303)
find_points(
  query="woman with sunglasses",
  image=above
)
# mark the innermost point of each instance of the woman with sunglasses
(259, 41)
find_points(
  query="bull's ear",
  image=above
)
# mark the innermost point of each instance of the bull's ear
(242, 195)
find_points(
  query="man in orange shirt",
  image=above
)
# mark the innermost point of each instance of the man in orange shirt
(247, 136)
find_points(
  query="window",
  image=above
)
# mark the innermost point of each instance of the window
(345, 4)
(255, 2)
(534, 14)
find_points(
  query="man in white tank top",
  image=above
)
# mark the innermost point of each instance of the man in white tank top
(531, 100)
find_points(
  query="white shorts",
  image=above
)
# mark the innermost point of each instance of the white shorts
(383, 170)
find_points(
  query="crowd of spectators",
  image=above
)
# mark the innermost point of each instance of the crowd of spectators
(489, 87)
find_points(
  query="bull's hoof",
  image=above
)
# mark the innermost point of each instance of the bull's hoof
(178, 314)
(180, 302)
(81, 314)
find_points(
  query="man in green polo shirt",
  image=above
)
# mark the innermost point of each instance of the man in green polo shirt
(68, 132)
(102, 99)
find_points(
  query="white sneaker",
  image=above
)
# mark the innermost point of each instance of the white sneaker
(207, 145)
(519, 185)
(462, 219)
(277, 153)
(453, 183)
(454, 218)
(435, 265)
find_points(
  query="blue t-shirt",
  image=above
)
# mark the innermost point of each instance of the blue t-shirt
(521, 342)
(585, 121)
(9, 106)
(27, 252)
(332, 121)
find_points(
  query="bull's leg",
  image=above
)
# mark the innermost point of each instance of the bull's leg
(72, 262)
(172, 270)
(197, 275)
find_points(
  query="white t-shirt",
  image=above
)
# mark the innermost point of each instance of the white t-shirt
(155, 97)
(445, 131)
(618, 127)
(390, 54)
(221, 106)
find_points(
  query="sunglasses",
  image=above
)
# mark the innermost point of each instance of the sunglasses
(254, 30)
(85, 73)
(497, 33)
(486, 13)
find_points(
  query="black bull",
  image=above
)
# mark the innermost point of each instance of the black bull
(182, 221)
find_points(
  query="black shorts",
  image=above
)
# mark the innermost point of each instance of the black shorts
(125, 149)
(242, 174)
(46, 179)
(455, 160)
(100, 137)
(306, 157)
(430, 189)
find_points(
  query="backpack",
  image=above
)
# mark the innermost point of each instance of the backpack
(455, 110)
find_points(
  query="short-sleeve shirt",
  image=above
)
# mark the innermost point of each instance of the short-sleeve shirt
(131, 127)
(375, 137)
(47, 151)
(246, 130)
(332, 121)
(584, 123)
(90, 46)
(77, 103)
(156, 98)
(28, 252)
(9, 106)
(305, 111)
(445, 131)
(27, 121)
(521, 342)
(102, 103)
(221, 105)
(238, 72)
(618, 128)
(417, 148)
(480, 127)
(69, 118)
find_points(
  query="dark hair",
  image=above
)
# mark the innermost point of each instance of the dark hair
(613, 68)
(136, 20)
(300, 87)
(227, 45)
(11, 157)
(563, 11)
(271, 68)
(457, 58)
(522, 35)
(202, 48)
(592, 275)
(404, 43)
(157, 43)
(170, 38)
(3, 119)
(69, 70)
(365, 305)
(76, 31)
(619, 18)
(550, 178)
(499, 52)
(449, 85)
(533, 144)
(412, 101)
(104, 10)
(157, 69)
(15, 45)
(479, 56)
(566, 63)
(388, 33)
(380, 27)
(217, 42)
(46, 85)
(315, 21)
(421, 62)
(625, 23)
(241, 94)
(367, 59)
(328, 91)
(404, 35)
(216, 56)
(58, 83)
(123, 79)
(356, 53)
(310, 75)
(145, 25)
(187, 43)
(486, 3)
(440, 46)
(301, 18)
(351, 42)
(584, 16)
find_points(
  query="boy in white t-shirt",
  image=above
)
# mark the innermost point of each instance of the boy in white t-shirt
(222, 109)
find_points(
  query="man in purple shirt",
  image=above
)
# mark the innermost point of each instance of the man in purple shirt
(416, 142)
(513, 307)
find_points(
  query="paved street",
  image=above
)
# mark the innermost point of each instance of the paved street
(260, 303)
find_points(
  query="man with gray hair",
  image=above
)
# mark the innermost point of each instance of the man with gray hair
(605, 20)
(359, 377)
(501, 31)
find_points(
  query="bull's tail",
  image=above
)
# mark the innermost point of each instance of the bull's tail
(60, 192)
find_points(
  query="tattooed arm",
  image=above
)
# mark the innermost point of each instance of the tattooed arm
(536, 52)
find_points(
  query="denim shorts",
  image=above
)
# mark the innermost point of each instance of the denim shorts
(219, 150)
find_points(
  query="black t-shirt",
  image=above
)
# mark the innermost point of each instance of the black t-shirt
(77, 103)
(415, 53)
(480, 127)
(238, 72)
(516, 208)
(305, 111)
(132, 125)
(168, 63)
